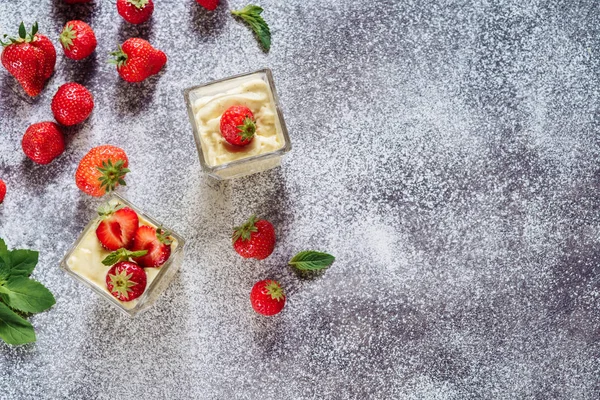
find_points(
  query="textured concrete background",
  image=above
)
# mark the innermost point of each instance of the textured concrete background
(445, 151)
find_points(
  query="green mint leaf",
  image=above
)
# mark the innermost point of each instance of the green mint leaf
(27, 295)
(312, 261)
(14, 329)
(23, 262)
(251, 15)
(122, 255)
(3, 247)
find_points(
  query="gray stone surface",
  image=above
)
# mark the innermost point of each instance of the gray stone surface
(445, 151)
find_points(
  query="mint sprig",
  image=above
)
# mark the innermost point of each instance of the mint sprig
(20, 294)
(312, 261)
(251, 15)
(122, 255)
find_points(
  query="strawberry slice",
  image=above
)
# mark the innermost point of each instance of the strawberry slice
(117, 228)
(156, 242)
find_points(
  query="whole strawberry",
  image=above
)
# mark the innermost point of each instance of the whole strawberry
(72, 104)
(267, 297)
(137, 60)
(117, 227)
(238, 125)
(135, 11)
(78, 40)
(126, 281)
(254, 239)
(2, 190)
(101, 170)
(208, 4)
(43, 142)
(30, 58)
(156, 242)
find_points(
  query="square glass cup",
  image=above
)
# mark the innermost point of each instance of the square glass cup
(162, 276)
(247, 165)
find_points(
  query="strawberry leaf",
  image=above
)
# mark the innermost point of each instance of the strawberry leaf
(14, 329)
(251, 15)
(312, 261)
(122, 255)
(22, 31)
(27, 295)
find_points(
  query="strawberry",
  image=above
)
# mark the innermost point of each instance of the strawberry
(101, 170)
(238, 125)
(126, 281)
(117, 227)
(267, 297)
(254, 239)
(156, 241)
(78, 40)
(30, 58)
(2, 190)
(208, 4)
(72, 104)
(135, 11)
(43, 142)
(137, 60)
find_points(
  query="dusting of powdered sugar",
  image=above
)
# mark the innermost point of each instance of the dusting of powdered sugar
(445, 153)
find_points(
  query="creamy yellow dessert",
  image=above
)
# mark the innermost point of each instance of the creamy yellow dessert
(211, 102)
(86, 260)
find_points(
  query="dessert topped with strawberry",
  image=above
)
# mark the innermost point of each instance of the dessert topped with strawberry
(30, 58)
(122, 253)
(236, 119)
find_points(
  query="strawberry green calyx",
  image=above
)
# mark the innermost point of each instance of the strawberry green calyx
(247, 129)
(163, 236)
(119, 57)
(122, 255)
(274, 290)
(24, 36)
(112, 175)
(67, 36)
(244, 231)
(122, 283)
(107, 209)
(138, 3)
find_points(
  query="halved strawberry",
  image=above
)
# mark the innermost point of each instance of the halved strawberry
(156, 242)
(117, 228)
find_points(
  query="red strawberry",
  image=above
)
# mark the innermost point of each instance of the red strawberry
(126, 281)
(43, 142)
(2, 190)
(254, 239)
(30, 58)
(156, 242)
(117, 227)
(238, 125)
(137, 60)
(72, 104)
(135, 11)
(78, 40)
(101, 170)
(208, 4)
(267, 297)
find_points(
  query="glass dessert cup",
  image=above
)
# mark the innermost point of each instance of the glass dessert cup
(205, 104)
(157, 278)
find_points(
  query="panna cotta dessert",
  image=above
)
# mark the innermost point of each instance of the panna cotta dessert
(238, 125)
(125, 256)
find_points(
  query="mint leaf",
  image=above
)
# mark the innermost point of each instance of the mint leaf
(251, 15)
(312, 261)
(23, 262)
(122, 255)
(27, 295)
(3, 247)
(14, 329)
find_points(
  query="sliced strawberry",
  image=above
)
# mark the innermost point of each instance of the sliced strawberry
(117, 228)
(157, 243)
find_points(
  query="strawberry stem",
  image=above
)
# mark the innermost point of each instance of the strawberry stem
(247, 129)
(139, 3)
(67, 36)
(245, 231)
(119, 57)
(112, 175)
